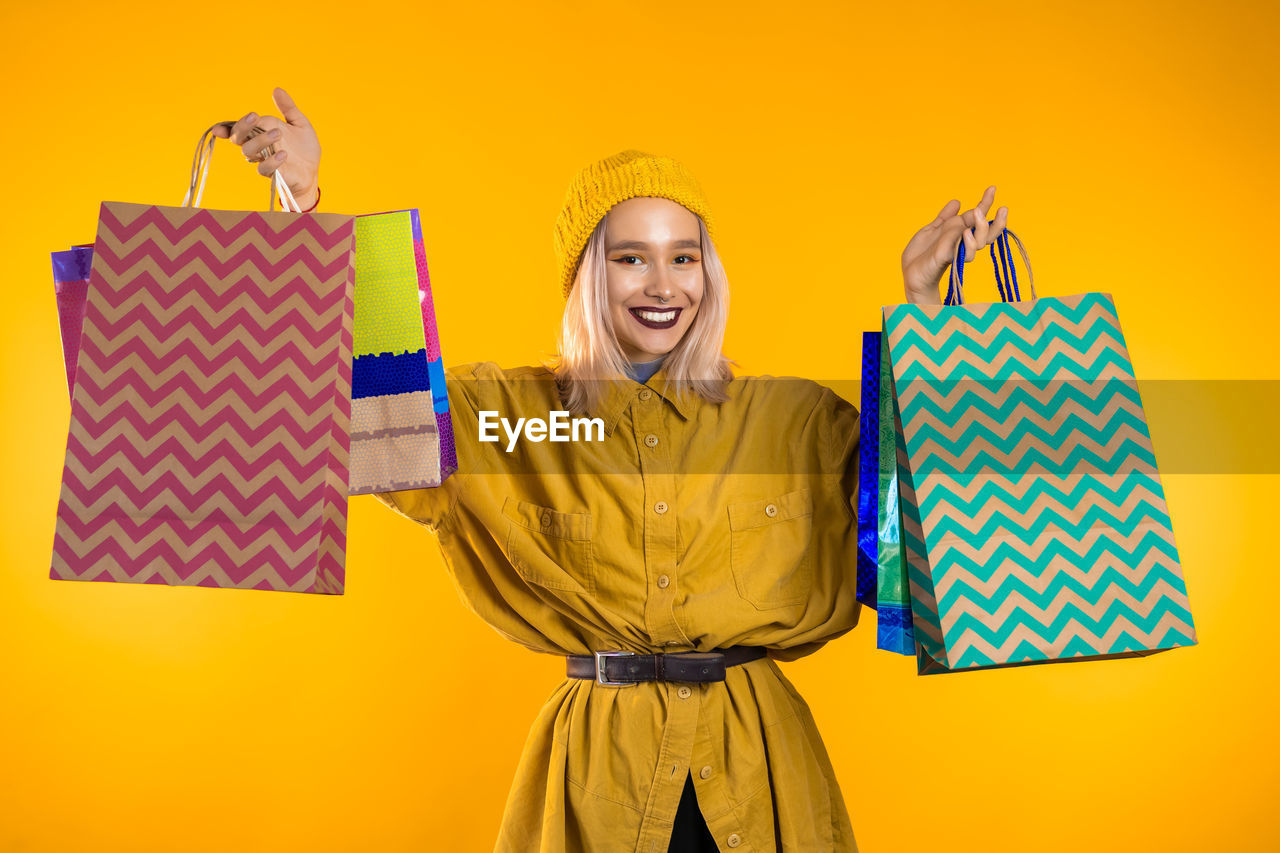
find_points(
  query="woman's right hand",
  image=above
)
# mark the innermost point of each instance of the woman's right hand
(294, 141)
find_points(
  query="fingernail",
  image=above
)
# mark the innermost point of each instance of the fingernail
(280, 156)
(251, 117)
(275, 134)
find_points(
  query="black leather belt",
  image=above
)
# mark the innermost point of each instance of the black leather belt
(623, 669)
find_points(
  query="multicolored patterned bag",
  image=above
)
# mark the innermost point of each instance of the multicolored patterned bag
(401, 433)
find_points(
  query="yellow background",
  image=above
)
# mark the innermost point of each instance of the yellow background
(1135, 145)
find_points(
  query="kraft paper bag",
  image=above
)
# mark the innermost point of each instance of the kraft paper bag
(402, 436)
(210, 415)
(1034, 521)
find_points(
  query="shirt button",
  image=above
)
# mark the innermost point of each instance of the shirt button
(684, 692)
(651, 440)
(646, 394)
(771, 510)
(663, 581)
(660, 507)
(733, 840)
(705, 772)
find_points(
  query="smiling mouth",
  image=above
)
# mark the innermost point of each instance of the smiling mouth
(656, 318)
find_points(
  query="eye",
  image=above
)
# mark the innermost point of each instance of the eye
(626, 259)
(687, 259)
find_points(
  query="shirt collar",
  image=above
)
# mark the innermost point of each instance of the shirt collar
(618, 394)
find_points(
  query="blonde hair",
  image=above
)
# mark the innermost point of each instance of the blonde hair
(590, 356)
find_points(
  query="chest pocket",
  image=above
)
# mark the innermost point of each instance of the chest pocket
(549, 548)
(769, 549)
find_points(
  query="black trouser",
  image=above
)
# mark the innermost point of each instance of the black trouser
(690, 833)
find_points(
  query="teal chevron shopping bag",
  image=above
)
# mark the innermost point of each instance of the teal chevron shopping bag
(1033, 518)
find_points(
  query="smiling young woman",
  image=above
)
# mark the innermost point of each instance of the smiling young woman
(710, 534)
(647, 289)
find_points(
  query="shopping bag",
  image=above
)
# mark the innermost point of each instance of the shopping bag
(894, 630)
(70, 286)
(401, 434)
(893, 598)
(868, 469)
(208, 443)
(1034, 523)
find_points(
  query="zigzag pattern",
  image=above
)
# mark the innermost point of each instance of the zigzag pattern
(1039, 529)
(1033, 339)
(987, 581)
(970, 495)
(1075, 448)
(1074, 641)
(210, 421)
(993, 402)
(175, 229)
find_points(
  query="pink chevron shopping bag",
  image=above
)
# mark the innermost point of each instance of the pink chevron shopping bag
(401, 433)
(210, 414)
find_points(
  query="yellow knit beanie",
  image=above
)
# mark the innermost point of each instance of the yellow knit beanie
(600, 186)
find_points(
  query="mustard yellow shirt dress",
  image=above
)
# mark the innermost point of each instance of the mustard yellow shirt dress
(689, 526)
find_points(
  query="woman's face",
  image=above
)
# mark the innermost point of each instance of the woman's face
(653, 252)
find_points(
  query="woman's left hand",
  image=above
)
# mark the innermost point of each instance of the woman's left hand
(933, 247)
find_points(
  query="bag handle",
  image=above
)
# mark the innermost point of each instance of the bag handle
(200, 167)
(1007, 283)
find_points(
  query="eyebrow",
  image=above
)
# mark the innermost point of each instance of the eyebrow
(640, 244)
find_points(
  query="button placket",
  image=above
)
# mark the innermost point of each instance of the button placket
(713, 800)
(678, 736)
(659, 519)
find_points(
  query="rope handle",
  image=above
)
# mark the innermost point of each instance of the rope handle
(200, 172)
(1001, 262)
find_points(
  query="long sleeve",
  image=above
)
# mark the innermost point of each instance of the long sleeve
(839, 424)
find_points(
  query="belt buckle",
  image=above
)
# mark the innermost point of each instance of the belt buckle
(600, 679)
